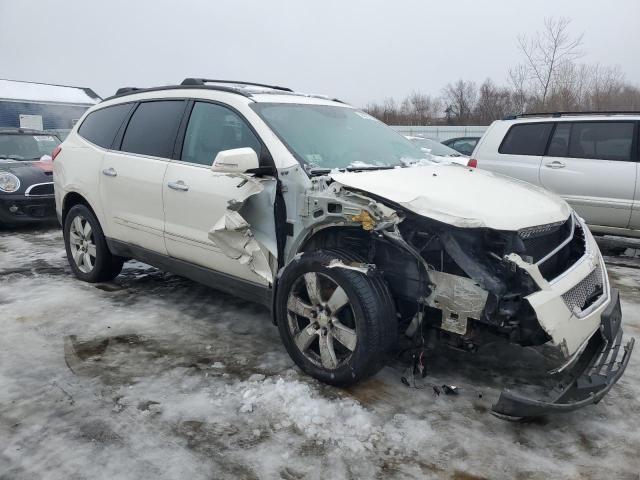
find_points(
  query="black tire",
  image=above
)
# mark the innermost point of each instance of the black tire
(371, 313)
(106, 266)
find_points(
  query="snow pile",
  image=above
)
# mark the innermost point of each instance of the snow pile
(42, 92)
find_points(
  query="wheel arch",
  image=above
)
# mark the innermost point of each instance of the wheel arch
(336, 236)
(74, 198)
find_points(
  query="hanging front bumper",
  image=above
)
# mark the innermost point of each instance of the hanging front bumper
(599, 366)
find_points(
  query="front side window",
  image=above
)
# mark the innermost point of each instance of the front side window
(213, 128)
(602, 140)
(526, 139)
(153, 128)
(325, 137)
(100, 127)
(26, 147)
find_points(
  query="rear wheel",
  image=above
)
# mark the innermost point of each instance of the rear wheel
(337, 324)
(86, 246)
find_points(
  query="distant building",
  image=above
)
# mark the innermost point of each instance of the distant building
(43, 106)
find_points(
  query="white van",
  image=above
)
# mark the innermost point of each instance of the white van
(591, 160)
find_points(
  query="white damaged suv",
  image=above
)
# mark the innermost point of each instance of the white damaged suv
(342, 227)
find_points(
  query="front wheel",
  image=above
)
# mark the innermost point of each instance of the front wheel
(86, 246)
(337, 324)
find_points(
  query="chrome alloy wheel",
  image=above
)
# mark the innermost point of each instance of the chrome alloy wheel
(321, 320)
(83, 247)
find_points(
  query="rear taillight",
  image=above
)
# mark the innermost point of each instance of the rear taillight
(55, 152)
(473, 163)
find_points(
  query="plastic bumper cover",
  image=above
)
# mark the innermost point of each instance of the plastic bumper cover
(20, 209)
(599, 367)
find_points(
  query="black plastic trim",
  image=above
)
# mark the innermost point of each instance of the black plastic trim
(223, 282)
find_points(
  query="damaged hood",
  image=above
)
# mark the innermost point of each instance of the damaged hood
(461, 197)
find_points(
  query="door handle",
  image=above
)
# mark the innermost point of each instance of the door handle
(110, 172)
(179, 185)
(555, 164)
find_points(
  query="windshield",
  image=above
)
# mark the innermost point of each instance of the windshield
(434, 148)
(26, 147)
(326, 137)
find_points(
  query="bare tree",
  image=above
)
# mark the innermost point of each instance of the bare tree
(518, 78)
(493, 103)
(460, 100)
(547, 52)
(607, 83)
(421, 109)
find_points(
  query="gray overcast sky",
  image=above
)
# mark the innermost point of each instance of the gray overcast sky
(355, 50)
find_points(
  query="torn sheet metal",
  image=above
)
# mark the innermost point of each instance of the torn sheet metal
(332, 203)
(459, 299)
(233, 236)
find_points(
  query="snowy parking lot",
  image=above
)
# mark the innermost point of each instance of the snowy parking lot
(154, 376)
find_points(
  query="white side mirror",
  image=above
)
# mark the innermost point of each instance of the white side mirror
(237, 160)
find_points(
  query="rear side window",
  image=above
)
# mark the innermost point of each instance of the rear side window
(212, 129)
(153, 127)
(526, 139)
(602, 140)
(559, 145)
(100, 127)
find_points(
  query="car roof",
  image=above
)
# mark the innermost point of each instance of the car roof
(254, 92)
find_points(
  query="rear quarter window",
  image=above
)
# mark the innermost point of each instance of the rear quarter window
(100, 127)
(526, 139)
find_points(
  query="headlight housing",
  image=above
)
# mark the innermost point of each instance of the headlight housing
(9, 183)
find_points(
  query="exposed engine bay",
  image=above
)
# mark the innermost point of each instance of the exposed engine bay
(458, 281)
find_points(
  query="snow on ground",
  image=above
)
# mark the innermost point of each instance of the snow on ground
(155, 376)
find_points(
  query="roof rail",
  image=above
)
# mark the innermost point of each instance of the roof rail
(566, 114)
(204, 81)
(123, 90)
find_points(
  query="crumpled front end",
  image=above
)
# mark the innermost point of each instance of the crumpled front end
(542, 286)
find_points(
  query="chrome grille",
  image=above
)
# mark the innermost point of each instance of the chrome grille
(538, 230)
(39, 189)
(576, 297)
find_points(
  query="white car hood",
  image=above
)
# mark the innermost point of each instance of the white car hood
(460, 196)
